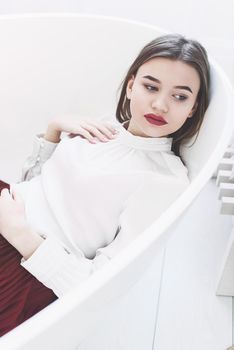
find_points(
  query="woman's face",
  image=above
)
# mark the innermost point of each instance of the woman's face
(162, 96)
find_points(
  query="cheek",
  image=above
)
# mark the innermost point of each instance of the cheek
(183, 110)
(136, 99)
(189, 106)
(181, 115)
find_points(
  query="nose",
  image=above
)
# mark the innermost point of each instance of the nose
(159, 103)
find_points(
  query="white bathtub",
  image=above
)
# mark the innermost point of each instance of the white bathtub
(55, 63)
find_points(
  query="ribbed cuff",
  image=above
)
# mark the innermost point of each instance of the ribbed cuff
(46, 259)
(43, 148)
(57, 267)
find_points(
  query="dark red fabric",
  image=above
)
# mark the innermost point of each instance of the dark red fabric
(21, 294)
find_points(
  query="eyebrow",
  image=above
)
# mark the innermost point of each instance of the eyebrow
(183, 87)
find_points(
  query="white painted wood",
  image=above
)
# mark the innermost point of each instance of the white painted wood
(226, 190)
(191, 316)
(223, 176)
(227, 205)
(225, 285)
(229, 151)
(226, 164)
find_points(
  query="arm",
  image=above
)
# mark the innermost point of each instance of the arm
(45, 144)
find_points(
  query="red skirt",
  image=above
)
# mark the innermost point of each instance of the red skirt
(21, 294)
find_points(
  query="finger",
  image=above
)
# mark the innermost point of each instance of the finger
(111, 127)
(100, 131)
(17, 196)
(101, 124)
(107, 130)
(95, 132)
(81, 130)
(5, 193)
(106, 127)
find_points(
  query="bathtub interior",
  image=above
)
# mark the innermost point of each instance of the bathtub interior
(53, 64)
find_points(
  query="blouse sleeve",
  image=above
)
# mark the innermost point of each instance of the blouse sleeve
(60, 269)
(42, 151)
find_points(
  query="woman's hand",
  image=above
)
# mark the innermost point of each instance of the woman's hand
(12, 214)
(13, 224)
(92, 130)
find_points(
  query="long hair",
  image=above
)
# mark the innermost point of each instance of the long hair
(176, 47)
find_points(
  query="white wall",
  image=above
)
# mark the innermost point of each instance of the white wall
(208, 21)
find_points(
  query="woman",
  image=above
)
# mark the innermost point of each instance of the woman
(93, 198)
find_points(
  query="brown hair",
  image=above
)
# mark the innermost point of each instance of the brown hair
(176, 47)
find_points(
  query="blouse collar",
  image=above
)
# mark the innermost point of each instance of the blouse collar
(143, 143)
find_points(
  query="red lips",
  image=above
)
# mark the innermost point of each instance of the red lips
(155, 119)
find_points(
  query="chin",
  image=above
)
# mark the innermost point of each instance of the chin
(156, 133)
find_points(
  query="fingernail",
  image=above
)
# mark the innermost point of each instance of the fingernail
(104, 139)
(93, 141)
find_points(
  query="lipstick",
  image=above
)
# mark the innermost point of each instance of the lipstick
(155, 119)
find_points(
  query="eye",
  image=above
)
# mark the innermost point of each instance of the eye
(151, 88)
(179, 97)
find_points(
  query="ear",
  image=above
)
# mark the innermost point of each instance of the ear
(193, 110)
(129, 87)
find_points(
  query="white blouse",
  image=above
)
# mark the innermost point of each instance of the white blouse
(91, 200)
